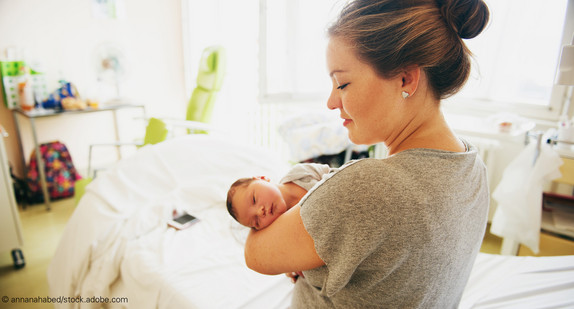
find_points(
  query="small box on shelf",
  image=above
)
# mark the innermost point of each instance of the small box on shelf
(12, 73)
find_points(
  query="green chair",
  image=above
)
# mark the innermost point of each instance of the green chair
(208, 83)
(80, 188)
(200, 106)
(155, 132)
(199, 109)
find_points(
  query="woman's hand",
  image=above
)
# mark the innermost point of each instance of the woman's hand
(295, 275)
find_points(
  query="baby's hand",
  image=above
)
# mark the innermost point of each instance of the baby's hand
(295, 275)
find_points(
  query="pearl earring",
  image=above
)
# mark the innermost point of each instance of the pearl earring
(405, 94)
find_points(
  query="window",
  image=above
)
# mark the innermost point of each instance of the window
(293, 43)
(277, 51)
(516, 58)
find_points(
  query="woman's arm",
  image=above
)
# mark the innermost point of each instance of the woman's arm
(284, 246)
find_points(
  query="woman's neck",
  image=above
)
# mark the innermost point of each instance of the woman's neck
(428, 129)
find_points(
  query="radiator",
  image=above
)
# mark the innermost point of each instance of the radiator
(263, 131)
(266, 121)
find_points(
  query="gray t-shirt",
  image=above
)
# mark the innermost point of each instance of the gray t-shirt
(400, 232)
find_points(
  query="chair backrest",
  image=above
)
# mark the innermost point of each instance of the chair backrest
(155, 131)
(209, 81)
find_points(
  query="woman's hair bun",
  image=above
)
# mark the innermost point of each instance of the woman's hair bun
(467, 17)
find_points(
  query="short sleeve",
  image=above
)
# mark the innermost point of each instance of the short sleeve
(342, 217)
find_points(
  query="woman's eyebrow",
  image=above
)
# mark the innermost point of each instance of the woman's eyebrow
(335, 71)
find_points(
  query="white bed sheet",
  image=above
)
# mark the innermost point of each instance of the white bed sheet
(117, 243)
(498, 281)
(118, 236)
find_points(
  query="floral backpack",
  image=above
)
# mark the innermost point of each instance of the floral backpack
(61, 175)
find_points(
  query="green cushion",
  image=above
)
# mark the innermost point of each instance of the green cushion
(155, 132)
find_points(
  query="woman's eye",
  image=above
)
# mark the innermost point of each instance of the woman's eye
(342, 86)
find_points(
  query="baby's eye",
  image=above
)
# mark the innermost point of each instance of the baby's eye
(342, 86)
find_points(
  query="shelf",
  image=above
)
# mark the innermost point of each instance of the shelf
(38, 113)
(561, 207)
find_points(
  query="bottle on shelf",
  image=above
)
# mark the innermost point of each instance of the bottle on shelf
(25, 92)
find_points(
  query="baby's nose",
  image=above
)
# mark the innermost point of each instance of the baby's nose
(262, 212)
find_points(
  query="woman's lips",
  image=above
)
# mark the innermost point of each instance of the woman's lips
(346, 122)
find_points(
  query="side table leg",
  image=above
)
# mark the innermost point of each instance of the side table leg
(23, 157)
(41, 167)
(117, 134)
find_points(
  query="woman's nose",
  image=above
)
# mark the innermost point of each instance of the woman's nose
(333, 102)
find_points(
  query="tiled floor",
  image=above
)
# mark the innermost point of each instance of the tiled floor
(42, 230)
(491, 243)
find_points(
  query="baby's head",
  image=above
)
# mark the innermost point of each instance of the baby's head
(255, 202)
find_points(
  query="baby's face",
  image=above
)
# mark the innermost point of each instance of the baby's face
(258, 204)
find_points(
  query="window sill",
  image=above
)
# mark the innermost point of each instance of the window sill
(489, 127)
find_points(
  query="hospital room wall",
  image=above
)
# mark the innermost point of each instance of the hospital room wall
(63, 36)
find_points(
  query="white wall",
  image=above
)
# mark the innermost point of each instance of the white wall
(63, 35)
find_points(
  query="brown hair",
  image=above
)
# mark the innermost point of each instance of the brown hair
(239, 183)
(394, 34)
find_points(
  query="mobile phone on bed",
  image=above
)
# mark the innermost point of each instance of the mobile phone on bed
(182, 221)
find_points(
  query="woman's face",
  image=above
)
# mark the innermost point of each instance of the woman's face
(371, 106)
(258, 204)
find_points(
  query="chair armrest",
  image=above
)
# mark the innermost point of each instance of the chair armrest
(114, 144)
(185, 124)
(188, 124)
(117, 144)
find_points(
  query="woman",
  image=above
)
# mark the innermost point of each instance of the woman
(402, 231)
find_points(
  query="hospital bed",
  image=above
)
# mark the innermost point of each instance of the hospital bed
(117, 242)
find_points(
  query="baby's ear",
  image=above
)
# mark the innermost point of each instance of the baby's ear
(262, 178)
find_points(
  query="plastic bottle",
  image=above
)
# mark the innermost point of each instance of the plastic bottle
(25, 92)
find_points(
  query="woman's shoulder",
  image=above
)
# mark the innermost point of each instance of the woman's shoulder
(417, 163)
(366, 170)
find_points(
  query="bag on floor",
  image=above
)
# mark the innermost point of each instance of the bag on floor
(61, 175)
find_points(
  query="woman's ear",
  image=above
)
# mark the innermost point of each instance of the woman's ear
(410, 78)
